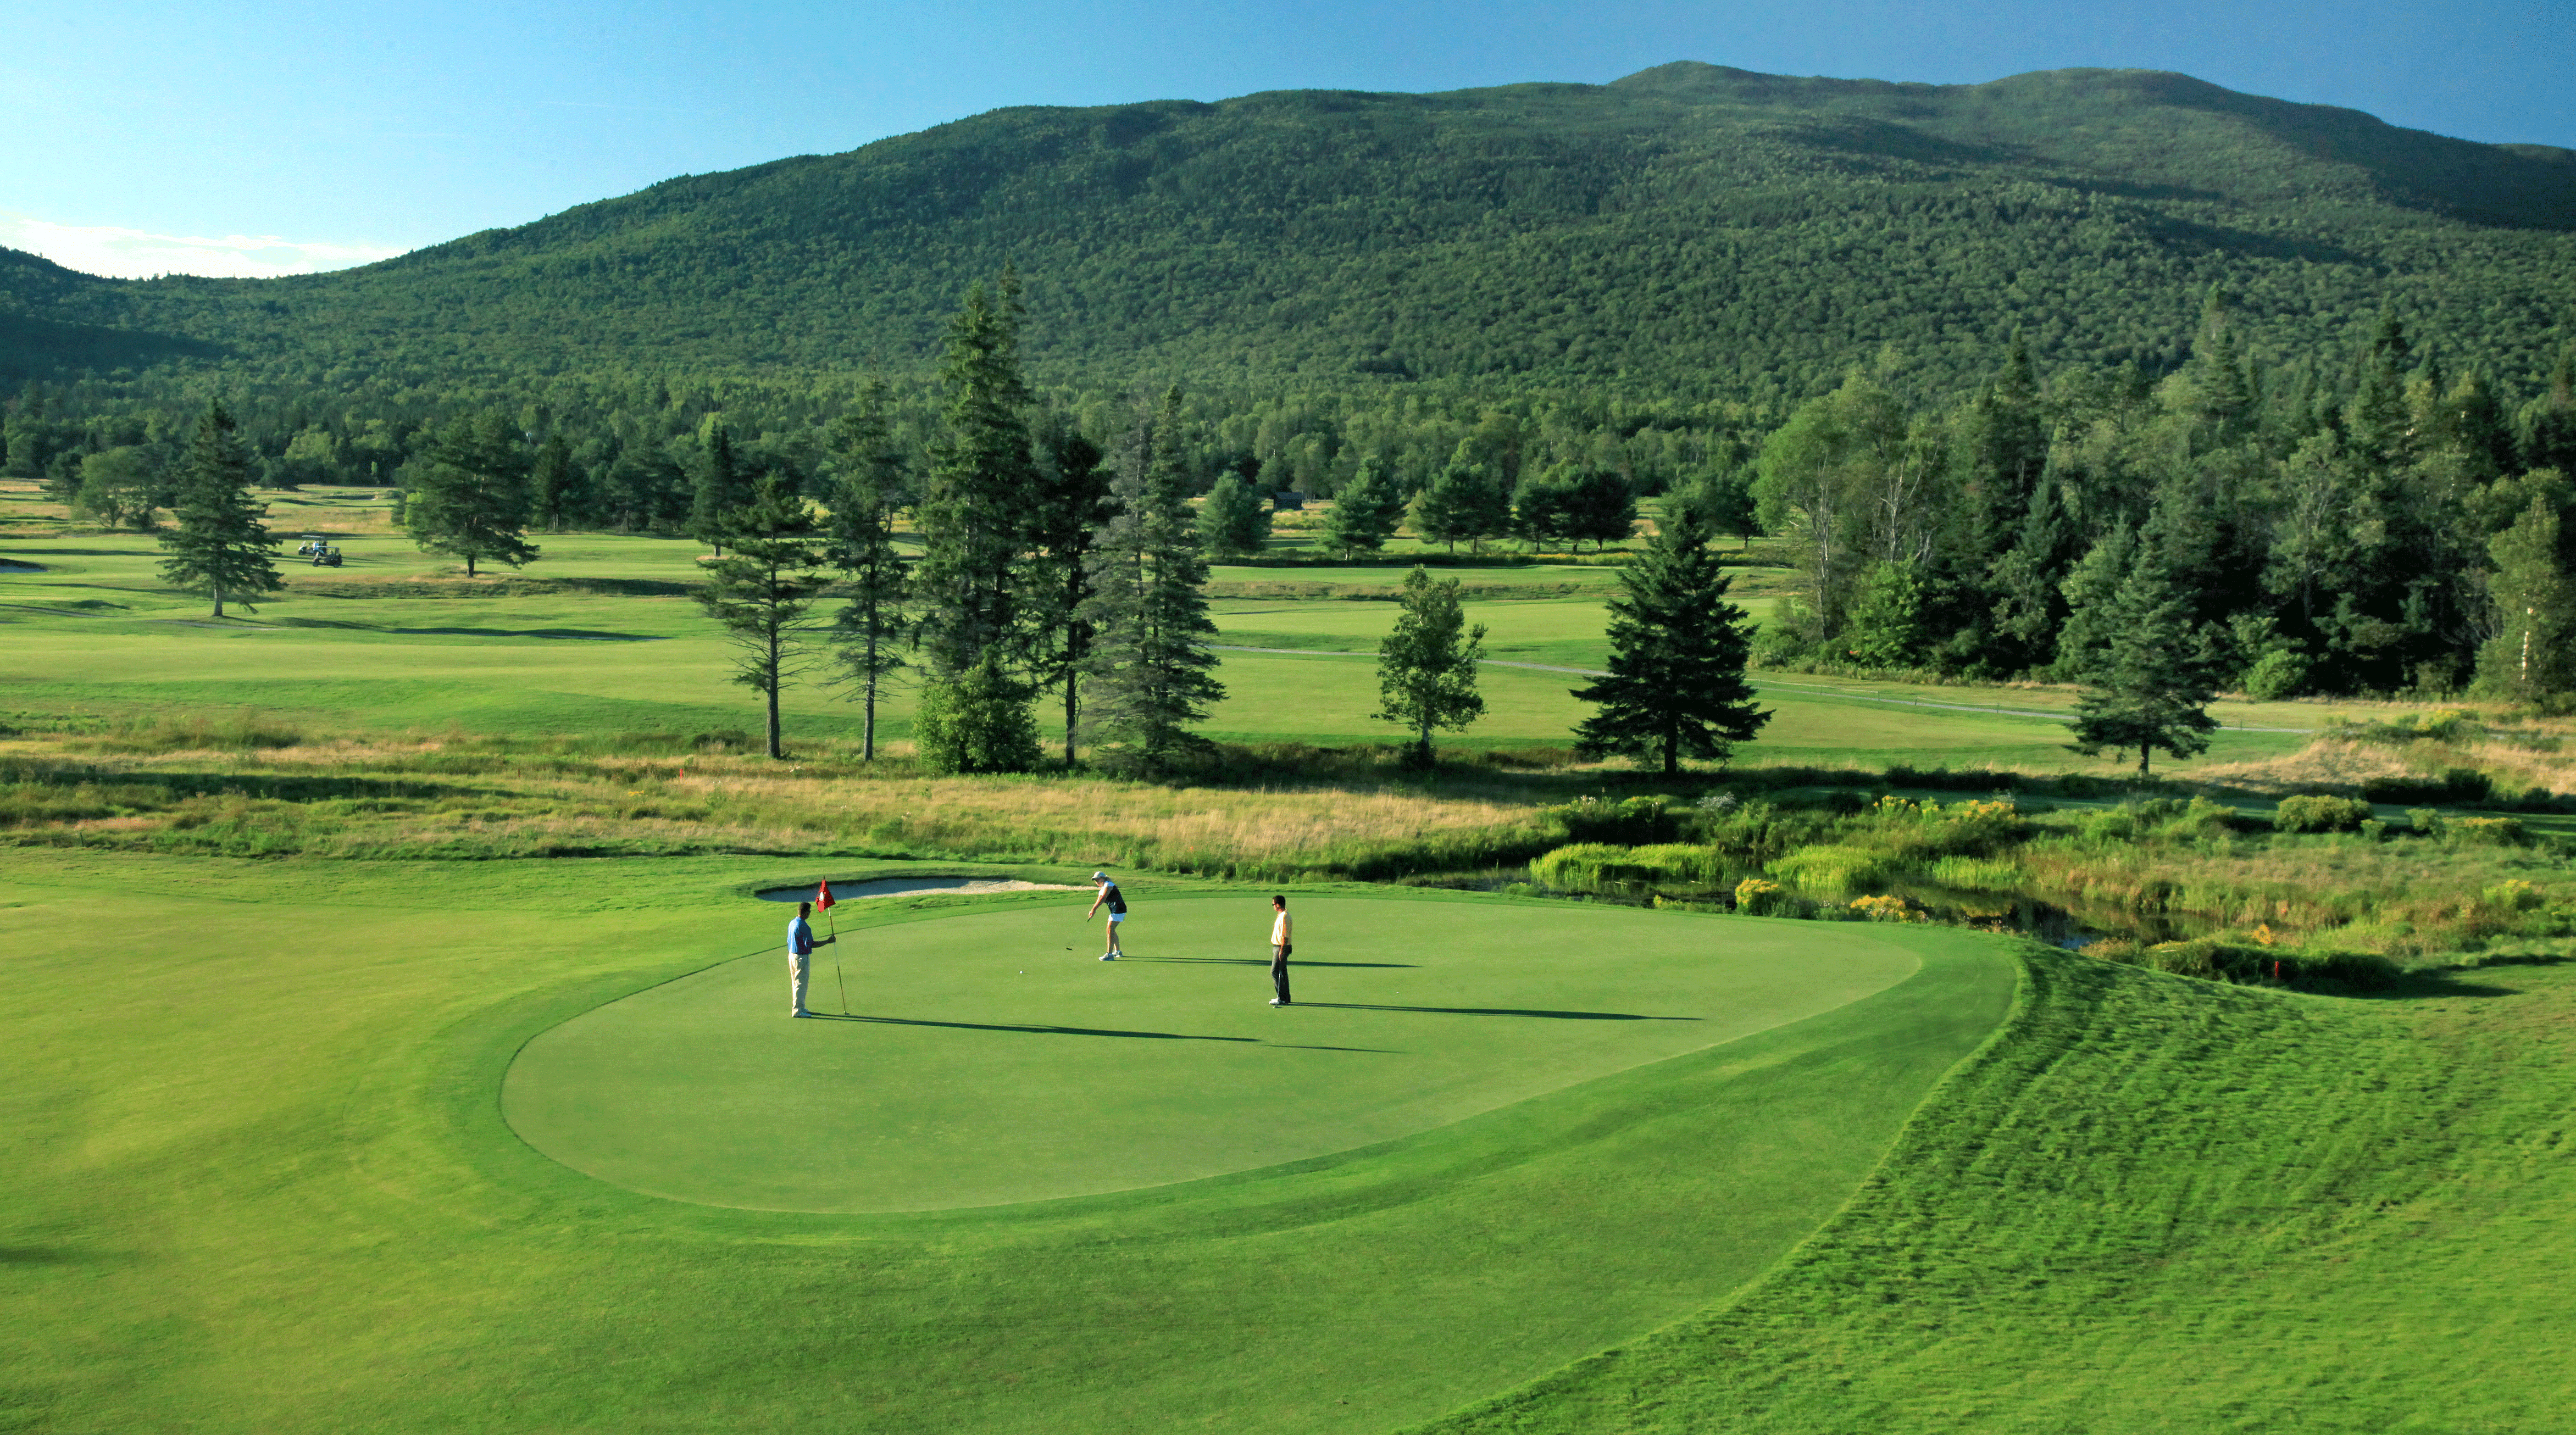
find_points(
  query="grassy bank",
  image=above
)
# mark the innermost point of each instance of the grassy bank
(2155, 1205)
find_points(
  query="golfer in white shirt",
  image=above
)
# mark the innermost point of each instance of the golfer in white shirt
(1280, 938)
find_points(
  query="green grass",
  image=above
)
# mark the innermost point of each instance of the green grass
(260, 1179)
(2158, 1205)
(994, 1059)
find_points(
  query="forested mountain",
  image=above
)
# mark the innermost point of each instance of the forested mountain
(2005, 365)
(1688, 233)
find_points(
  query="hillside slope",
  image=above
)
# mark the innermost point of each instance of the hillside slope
(1689, 230)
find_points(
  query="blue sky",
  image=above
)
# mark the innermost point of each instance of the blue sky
(214, 137)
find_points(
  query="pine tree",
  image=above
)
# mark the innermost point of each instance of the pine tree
(2030, 605)
(1235, 520)
(2091, 593)
(1365, 513)
(869, 486)
(2530, 658)
(719, 486)
(1074, 489)
(1676, 687)
(764, 589)
(555, 486)
(219, 546)
(1600, 506)
(1426, 668)
(1151, 670)
(2150, 689)
(975, 509)
(1463, 504)
(1543, 508)
(471, 502)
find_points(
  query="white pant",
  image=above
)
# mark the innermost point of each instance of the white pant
(798, 968)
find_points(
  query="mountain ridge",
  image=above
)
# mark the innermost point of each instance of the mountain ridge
(1543, 232)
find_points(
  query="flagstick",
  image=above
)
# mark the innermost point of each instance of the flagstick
(835, 919)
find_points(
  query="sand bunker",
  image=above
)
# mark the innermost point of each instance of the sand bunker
(915, 887)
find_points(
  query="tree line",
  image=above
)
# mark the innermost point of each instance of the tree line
(2386, 523)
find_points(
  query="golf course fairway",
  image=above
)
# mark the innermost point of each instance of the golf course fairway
(991, 1058)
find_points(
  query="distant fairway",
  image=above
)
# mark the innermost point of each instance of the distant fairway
(95, 631)
(988, 1064)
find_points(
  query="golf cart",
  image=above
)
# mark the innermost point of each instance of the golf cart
(319, 549)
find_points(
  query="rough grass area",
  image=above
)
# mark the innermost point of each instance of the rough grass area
(2155, 1205)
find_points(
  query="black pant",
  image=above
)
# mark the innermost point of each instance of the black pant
(1279, 970)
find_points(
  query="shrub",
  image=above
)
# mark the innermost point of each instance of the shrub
(2211, 960)
(1942, 779)
(2458, 784)
(1592, 865)
(2440, 725)
(1830, 868)
(2485, 832)
(2278, 674)
(1924, 829)
(2513, 895)
(1888, 909)
(2320, 814)
(1756, 897)
(1636, 820)
(978, 723)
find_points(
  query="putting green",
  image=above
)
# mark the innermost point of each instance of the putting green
(991, 1058)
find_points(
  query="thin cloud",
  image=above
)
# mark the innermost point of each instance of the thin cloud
(117, 253)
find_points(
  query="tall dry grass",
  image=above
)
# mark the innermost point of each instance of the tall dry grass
(247, 788)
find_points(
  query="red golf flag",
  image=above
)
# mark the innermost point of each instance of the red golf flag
(823, 897)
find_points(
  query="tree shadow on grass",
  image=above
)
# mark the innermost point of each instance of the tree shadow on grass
(1031, 1030)
(1259, 962)
(1505, 1011)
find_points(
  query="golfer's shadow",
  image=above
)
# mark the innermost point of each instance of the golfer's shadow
(1259, 962)
(1029, 1030)
(1505, 1011)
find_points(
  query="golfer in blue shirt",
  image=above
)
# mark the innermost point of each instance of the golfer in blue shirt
(800, 957)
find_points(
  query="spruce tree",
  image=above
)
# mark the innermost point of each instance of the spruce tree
(1151, 670)
(718, 486)
(1426, 668)
(1678, 648)
(869, 487)
(2149, 688)
(1235, 520)
(219, 547)
(1366, 512)
(763, 591)
(976, 507)
(1073, 505)
(471, 501)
